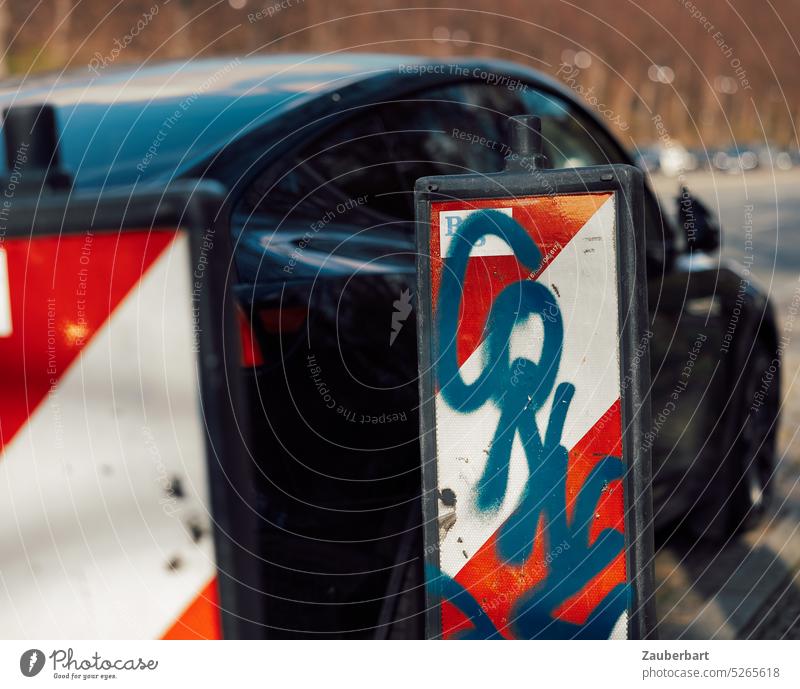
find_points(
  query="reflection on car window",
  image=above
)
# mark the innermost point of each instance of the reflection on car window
(385, 148)
(570, 139)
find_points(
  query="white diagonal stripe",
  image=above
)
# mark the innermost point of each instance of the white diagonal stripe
(86, 527)
(585, 275)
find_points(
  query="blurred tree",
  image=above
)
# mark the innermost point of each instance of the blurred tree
(5, 27)
(731, 65)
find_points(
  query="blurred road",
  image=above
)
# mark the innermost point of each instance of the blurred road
(751, 587)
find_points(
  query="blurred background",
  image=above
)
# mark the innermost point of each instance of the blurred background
(705, 93)
(719, 73)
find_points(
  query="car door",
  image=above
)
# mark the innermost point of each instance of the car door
(688, 301)
(330, 287)
(326, 260)
(693, 301)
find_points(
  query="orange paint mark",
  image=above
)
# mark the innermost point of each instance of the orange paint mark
(551, 221)
(497, 586)
(578, 608)
(201, 620)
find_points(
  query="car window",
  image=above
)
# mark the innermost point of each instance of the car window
(450, 131)
(370, 162)
(570, 138)
(384, 148)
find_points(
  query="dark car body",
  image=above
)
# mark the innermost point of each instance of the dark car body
(320, 154)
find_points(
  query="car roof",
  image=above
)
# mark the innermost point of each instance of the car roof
(120, 124)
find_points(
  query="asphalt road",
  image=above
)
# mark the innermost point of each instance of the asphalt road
(750, 587)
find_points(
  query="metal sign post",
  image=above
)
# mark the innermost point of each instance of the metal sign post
(536, 483)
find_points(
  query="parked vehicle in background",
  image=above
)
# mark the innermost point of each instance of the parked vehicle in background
(319, 156)
(675, 160)
(773, 158)
(702, 157)
(735, 160)
(647, 159)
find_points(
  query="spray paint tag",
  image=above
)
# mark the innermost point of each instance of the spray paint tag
(529, 481)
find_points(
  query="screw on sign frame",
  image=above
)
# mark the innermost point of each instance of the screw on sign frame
(536, 483)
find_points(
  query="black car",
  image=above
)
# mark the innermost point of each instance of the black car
(320, 155)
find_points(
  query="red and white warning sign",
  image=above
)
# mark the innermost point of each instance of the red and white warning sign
(104, 515)
(528, 434)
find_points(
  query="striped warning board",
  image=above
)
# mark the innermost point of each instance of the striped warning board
(526, 476)
(105, 514)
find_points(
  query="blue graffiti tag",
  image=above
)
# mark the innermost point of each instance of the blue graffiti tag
(519, 388)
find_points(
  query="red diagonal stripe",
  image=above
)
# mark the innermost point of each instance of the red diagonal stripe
(496, 585)
(201, 619)
(63, 289)
(551, 221)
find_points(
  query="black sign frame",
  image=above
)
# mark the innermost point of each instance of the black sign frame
(199, 208)
(626, 182)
